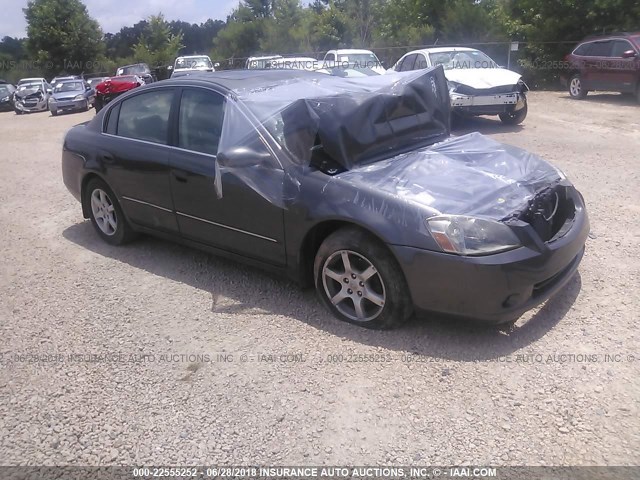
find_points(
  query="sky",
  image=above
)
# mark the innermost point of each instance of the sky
(112, 15)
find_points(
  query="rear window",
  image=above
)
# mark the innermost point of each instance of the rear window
(146, 116)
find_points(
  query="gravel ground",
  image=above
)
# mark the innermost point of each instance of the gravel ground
(210, 362)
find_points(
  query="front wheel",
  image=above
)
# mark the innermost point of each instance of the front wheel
(515, 117)
(106, 214)
(359, 281)
(576, 89)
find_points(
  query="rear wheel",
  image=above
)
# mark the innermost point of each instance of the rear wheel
(106, 214)
(98, 103)
(576, 89)
(517, 116)
(358, 279)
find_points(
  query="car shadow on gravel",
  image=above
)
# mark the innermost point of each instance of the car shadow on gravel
(254, 292)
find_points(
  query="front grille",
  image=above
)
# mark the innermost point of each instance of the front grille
(466, 90)
(548, 211)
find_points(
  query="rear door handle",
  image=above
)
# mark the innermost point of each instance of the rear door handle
(107, 157)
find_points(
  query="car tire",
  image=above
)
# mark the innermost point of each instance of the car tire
(360, 282)
(18, 112)
(54, 113)
(517, 116)
(106, 214)
(97, 104)
(576, 90)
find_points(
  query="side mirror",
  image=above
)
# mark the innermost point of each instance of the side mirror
(216, 64)
(49, 90)
(629, 54)
(242, 157)
(170, 67)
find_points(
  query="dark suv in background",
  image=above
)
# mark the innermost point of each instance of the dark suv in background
(610, 62)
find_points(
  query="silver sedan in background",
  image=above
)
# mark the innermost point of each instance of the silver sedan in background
(71, 95)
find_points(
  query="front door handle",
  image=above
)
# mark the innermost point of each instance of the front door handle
(179, 177)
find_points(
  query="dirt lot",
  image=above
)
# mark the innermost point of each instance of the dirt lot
(215, 363)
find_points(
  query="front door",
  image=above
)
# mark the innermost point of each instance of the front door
(219, 207)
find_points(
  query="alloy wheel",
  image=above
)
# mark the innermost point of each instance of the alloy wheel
(353, 285)
(575, 87)
(104, 212)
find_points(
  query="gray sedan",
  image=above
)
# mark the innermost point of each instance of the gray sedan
(71, 95)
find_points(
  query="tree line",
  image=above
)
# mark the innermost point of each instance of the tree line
(547, 29)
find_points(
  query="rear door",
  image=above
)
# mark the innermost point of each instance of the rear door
(596, 65)
(622, 72)
(136, 158)
(218, 207)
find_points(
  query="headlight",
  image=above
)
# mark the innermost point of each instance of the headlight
(471, 236)
(4, 99)
(79, 97)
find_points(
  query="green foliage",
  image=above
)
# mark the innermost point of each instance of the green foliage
(62, 36)
(157, 46)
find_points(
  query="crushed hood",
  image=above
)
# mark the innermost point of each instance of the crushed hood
(467, 175)
(481, 78)
(27, 91)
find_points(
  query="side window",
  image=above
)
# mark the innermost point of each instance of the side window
(331, 57)
(200, 121)
(112, 120)
(619, 47)
(583, 50)
(146, 116)
(398, 66)
(601, 49)
(421, 62)
(408, 63)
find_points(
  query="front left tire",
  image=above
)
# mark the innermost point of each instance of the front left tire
(517, 116)
(106, 214)
(360, 282)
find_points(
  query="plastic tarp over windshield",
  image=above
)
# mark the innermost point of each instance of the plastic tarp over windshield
(353, 121)
(467, 175)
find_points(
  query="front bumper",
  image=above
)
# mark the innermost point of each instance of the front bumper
(28, 107)
(486, 104)
(494, 288)
(68, 105)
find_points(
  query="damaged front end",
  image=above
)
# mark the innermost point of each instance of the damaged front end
(471, 101)
(27, 102)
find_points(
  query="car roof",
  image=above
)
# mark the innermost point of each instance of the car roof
(265, 57)
(32, 79)
(241, 79)
(610, 35)
(444, 49)
(351, 50)
(193, 56)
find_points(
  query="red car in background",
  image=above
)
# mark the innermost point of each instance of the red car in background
(610, 63)
(114, 86)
